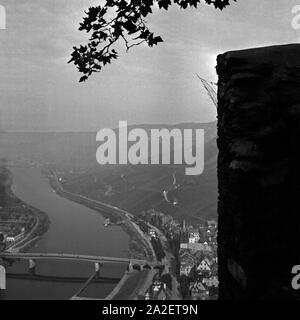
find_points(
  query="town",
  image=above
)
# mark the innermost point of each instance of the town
(194, 250)
(20, 227)
(188, 253)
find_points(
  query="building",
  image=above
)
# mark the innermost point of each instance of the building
(147, 296)
(186, 268)
(152, 233)
(184, 246)
(198, 291)
(194, 236)
(187, 263)
(15, 238)
(199, 247)
(158, 291)
(211, 282)
(204, 265)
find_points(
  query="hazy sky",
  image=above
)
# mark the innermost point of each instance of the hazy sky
(40, 91)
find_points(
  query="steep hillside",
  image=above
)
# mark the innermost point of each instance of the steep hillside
(138, 188)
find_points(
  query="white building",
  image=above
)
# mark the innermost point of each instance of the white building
(12, 239)
(152, 233)
(204, 266)
(194, 236)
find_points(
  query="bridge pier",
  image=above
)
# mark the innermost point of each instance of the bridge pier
(130, 267)
(98, 265)
(32, 266)
(2, 278)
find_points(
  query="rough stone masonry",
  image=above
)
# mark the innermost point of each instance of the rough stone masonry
(259, 172)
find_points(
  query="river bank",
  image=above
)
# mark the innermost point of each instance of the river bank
(16, 207)
(133, 283)
(75, 229)
(116, 216)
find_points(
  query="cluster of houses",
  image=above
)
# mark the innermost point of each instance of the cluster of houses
(164, 222)
(9, 236)
(13, 237)
(196, 252)
(198, 261)
(14, 226)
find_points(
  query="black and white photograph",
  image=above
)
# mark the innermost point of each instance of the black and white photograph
(149, 151)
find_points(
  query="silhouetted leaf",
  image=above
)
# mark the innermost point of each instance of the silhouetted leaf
(128, 19)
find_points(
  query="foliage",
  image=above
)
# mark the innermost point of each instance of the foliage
(184, 286)
(121, 20)
(167, 279)
(158, 248)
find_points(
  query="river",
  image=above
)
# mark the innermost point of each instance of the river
(73, 229)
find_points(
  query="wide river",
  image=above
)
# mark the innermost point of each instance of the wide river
(73, 229)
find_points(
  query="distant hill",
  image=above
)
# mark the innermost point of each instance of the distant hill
(135, 188)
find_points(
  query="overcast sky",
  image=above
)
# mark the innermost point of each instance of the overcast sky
(39, 91)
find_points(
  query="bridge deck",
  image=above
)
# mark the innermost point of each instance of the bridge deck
(72, 257)
(59, 279)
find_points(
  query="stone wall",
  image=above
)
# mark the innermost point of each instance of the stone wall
(259, 172)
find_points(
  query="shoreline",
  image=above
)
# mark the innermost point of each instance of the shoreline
(135, 233)
(41, 226)
(138, 247)
(120, 218)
